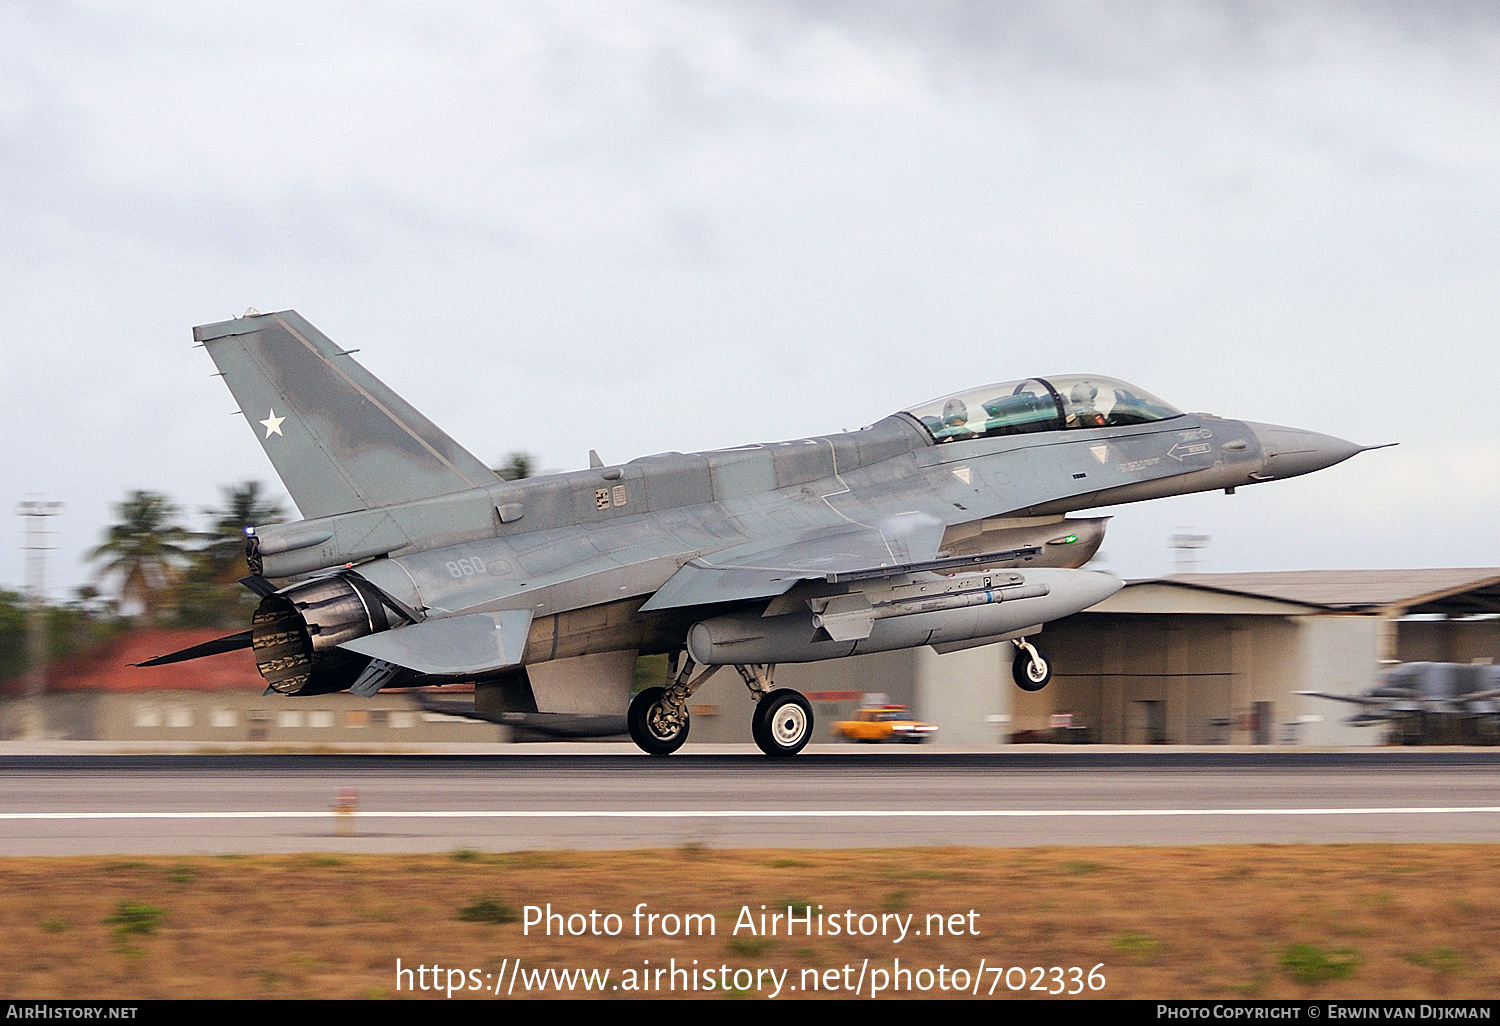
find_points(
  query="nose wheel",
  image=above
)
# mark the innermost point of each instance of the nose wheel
(1030, 670)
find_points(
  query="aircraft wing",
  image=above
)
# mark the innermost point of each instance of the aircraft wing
(907, 543)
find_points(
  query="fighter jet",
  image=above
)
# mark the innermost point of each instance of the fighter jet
(943, 524)
(1430, 703)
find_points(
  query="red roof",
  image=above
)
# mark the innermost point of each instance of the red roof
(107, 667)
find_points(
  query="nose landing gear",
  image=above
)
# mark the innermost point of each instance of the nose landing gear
(1030, 670)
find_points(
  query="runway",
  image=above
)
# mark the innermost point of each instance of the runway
(181, 804)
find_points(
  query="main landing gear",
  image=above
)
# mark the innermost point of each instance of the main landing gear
(781, 724)
(658, 717)
(1030, 670)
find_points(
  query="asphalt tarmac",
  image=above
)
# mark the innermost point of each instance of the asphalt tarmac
(184, 804)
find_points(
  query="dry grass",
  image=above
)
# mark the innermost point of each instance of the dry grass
(1244, 921)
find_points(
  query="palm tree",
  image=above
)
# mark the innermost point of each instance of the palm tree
(146, 550)
(243, 505)
(518, 465)
(208, 594)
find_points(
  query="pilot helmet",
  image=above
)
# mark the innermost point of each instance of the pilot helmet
(1083, 394)
(955, 413)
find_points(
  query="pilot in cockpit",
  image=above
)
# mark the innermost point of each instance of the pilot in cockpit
(1081, 410)
(956, 419)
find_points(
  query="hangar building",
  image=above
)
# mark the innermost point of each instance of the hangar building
(1186, 659)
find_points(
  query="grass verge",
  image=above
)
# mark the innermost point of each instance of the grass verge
(1334, 921)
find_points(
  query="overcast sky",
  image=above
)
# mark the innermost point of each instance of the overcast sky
(648, 226)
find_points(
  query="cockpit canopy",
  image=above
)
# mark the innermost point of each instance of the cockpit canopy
(1039, 404)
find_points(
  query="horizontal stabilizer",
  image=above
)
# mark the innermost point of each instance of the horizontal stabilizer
(218, 646)
(451, 646)
(338, 437)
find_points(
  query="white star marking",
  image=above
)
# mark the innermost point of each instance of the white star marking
(272, 424)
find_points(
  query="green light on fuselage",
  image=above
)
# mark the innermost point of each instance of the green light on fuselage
(1070, 539)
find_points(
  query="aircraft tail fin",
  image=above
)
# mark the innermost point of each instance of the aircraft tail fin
(338, 437)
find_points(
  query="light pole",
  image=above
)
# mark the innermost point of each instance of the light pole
(37, 512)
(1186, 546)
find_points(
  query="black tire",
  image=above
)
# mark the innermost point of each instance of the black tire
(782, 723)
(641, 731)
(757, 718)
(1029, 674)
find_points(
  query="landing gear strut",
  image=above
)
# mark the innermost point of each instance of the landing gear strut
(658, 717)
(1030, 670)
(782, 723)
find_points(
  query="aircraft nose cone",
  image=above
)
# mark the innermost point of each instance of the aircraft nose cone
(1292, 451)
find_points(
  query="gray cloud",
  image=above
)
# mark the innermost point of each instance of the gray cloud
(655, 225)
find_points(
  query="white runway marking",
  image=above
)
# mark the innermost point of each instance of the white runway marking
(759, 813)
